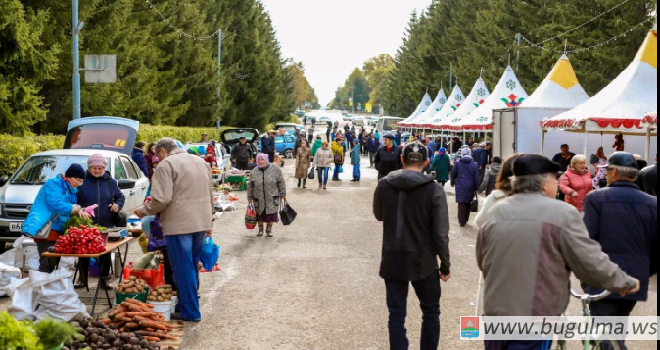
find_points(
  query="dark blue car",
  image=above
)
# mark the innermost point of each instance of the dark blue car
(283, 145)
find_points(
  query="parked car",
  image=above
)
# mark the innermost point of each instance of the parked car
(373, 121)
(325, 119)
(387, 124)
(289, 127)
(283, 145)
(231, 137)
(358, 121)
(344, 112)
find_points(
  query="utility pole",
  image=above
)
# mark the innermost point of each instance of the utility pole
(451, 76)
(219, 73)
(519, 38)
(353, 98)
(76, 27)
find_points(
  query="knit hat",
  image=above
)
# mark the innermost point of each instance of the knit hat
(443, 150)
(97, 160)
(75, 171)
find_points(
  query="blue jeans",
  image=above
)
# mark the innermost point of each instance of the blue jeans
(356, 172)
(335, 174)
(428, 292)
(323, 174)
(518, 344)
(184, 253)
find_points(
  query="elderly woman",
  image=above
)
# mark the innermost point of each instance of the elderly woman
(55, 203)
(598, 161)
(100, 189)
(323, 160)
(465, 177)
(576, 182)
(303, 161)
(266, 191)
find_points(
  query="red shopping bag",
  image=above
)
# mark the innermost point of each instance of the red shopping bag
(250, 217)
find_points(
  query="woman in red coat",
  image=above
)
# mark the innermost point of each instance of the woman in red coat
(576, 182)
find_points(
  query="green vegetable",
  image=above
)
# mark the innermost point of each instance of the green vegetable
(144, 261)
(77, 221)
(53, 333)
(17, 335)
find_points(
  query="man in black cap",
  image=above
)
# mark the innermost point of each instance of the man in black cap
(242, 154)
(414, 212)
(388, 157)
(528, 247)
(624, 220)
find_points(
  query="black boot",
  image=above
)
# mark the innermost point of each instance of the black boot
(82, 282)
(299, 182)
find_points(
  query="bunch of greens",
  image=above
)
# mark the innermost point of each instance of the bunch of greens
(53, 333)
(17, 335)
(77, 221)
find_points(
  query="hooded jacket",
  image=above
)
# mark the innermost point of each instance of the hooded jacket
(316, 146)
(138, 158)
(102, 191)
(441, 166)
(56, 196)
(465, 176)
(414, 212)
(323, 158)
(490, 180)
(338, 150)
(242, 152)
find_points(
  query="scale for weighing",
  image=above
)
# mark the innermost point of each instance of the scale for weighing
(117, 233)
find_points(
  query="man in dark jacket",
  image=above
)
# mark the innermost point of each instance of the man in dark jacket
(372, 148)
(624, 220)
(482, 156)
(388, 157)
(268, 146)
(415, 235)
(647, 180)
(564, 158)
(138, 157)
(456, 145)
(242, 154)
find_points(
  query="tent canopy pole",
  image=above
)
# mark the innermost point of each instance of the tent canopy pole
(586, 141)
(647, 149)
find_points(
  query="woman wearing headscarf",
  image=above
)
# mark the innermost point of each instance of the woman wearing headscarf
(576, 182)
(303, 161)
(598, 160)
(266, 191)
(466, 178)
(149, 157)
(441, 166)
(101, 189)
(56, 202)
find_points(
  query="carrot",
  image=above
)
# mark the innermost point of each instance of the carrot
(153, 339)
(149, 329)
(106, 321)
(122, 330)
(138, 318)
(120, 315)
(152, 324)
(126, 320)
(141, 314)
(132, 325)
(136, 308)
(153, 334)
(139, 303)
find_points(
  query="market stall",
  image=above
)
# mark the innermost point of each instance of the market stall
(435, 107)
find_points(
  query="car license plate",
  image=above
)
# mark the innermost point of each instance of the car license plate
(15, 226)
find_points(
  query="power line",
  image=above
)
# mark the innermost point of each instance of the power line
(179, 31)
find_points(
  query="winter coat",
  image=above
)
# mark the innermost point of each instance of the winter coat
(455, 146)
(138, 158)
(441, 166)
(323, 158)
(465, 176)
(415, 216)
(303, 161)
(56, 196)
(338, 149)
(267, 144)
(624, 220)
(601, 174)
(182, 192)
(372, 145)
(355, 155)
(242, 152)
(490, 179)
(647, 180)
(266, 188)
(571, 182)
(102, 191)
(481, 157)
(388, 160)
(527, 249)
(316, 146)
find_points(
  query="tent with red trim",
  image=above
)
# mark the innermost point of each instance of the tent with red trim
(421, 108)
(621, 106)
(476, 98)
(508, 93)
(456, 99)
(651, 120)
(437, 104)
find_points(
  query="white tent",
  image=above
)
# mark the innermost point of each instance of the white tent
(455, 101)
(621, 106)
(560, 89)
(421, 108)
(476, 98)
(437, 104)
(508, 93)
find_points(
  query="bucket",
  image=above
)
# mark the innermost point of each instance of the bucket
(164, 308)
(120, 297)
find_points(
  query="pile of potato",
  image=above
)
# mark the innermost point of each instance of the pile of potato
(132, 285)
(162, 294)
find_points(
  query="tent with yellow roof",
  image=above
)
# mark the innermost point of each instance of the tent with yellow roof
(560, 89)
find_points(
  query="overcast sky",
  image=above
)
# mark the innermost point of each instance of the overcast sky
(333, 37)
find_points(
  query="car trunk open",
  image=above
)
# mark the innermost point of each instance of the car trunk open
(102, 133)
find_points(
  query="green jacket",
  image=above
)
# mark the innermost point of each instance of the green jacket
(441, 166)
(316, 146)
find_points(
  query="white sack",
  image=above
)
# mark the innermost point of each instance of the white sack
(23, 299)
(56, 296)
(7, 273)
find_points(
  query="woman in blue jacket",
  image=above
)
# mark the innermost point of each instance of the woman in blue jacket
(55, 201)
(100, 189)
(465, 177)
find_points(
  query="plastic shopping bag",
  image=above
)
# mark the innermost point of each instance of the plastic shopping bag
(210, 254)
(23, 299)
(157, 239)
(56, 296)
(250, 217)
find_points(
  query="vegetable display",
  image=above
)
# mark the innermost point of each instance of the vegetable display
(80, 240)
(16, 334)
(77, 221)
(162, 294)
(141, 321)
(53, 333)
(100, 336)
(132, 285)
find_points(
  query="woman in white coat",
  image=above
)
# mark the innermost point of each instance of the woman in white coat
(323, 160)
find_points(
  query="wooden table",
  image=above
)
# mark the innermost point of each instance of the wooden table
(109, 248)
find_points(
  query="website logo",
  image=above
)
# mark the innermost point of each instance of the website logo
(469, 327)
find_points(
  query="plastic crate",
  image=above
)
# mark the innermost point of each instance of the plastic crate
(154, 278)
(120, 297)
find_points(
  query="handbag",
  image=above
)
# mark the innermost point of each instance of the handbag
(474, 205)
(119, 219)
(250, 217)
(287, 214)
(311, 173)
(44, 232)
(338, 158)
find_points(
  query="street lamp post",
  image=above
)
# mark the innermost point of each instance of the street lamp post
(353, 98)
(76, 64)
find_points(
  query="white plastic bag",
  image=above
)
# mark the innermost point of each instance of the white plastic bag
(7, 273)
(67, 263)
(9, 258)
(56, 296)
(23, 299)
(26, 249)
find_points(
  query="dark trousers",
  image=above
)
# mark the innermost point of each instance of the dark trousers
(104, 261)
(335, 174)
(517, 344)
(482, 173)
(428, 292)
(243, 165)
(271, 156)
(46, 265)
(463, 213)
(612, 307)
(184, 253)
(372, 158)
(442, 182)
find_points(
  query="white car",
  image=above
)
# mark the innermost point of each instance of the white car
(358, 121)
